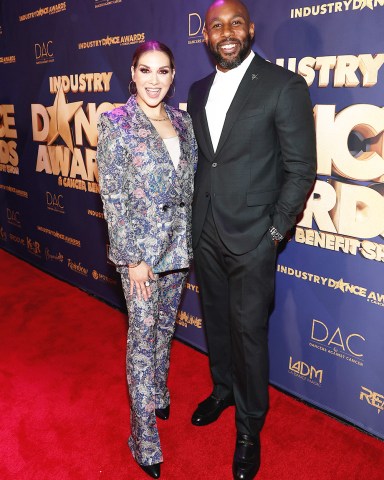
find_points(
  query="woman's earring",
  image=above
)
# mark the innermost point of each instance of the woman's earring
(132, 83)
(174, 91)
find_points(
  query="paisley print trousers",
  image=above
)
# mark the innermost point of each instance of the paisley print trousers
(151, 325)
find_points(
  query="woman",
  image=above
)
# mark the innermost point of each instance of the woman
(146, 158)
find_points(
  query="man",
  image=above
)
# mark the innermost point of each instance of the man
(254, 125)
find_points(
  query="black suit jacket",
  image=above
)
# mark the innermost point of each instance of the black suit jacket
(265, 162)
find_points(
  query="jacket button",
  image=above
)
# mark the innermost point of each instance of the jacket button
(165, 208)
(182, 204)
(214, 165)
(207, 194)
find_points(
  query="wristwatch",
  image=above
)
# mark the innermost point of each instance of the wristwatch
(275, 234)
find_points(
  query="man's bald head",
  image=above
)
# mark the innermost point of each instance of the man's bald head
(219, 3)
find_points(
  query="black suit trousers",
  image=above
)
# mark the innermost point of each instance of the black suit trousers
(236, 294)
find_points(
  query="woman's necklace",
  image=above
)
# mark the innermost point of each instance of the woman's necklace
(162, 119)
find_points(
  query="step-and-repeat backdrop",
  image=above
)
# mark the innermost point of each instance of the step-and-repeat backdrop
(62, 63)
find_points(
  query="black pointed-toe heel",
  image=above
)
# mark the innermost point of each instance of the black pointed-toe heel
(151, 470)
(162, 413)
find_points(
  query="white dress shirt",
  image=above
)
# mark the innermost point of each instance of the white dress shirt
(173, 147)
(220, 97)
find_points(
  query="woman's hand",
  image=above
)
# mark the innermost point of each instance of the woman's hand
(139, 277)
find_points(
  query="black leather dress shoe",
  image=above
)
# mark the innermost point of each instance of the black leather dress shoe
(162, 413)
(210, 409)
(246, 461)
(151, 470)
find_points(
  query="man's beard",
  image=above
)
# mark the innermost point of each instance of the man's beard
(233, 62)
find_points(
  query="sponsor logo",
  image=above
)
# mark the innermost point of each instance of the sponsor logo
(9, 159)
(184, 319)
(52, 10)
(194, 288)
(16, 239)
(60, 236)
(120, 40)
(334, 341)
(3, 235)
(54, 202)
(306, 372)
(44, 52)
(106, 3)
(64, 127)
(57, 257)
(13, 217)
(94, 213)
(335, 7)
(77, 267)
(33, 247)
(195, 28)
(8, 59)
(16, 191)
(374, 399)
(103, 278)
(340, 285)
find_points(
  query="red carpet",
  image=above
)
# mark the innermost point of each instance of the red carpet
(64, 408)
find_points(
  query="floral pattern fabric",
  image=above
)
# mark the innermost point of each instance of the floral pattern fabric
(147, 202)
(150, 331)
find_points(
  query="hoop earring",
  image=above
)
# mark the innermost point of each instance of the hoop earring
(130, 87)
(174, 91)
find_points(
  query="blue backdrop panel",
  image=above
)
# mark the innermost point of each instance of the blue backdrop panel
(62, 63)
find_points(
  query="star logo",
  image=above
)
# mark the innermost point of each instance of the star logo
(341, 285)
(366, 3)
(61, 113)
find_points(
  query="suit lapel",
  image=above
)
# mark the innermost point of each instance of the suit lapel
(154, 141)
(201, 125)
(248, 83)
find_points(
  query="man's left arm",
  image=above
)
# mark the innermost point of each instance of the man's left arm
(295, 128)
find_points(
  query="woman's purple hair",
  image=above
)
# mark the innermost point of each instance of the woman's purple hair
(152, 46)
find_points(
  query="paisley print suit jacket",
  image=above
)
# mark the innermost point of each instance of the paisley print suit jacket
(147, 202)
